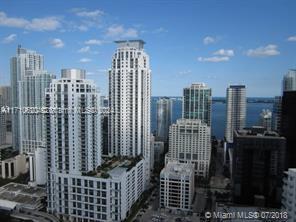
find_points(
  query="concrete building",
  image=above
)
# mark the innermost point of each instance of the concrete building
(12, 167)
(79, 187)
(235, 110)
(258, 166)
(105, 194)
(288, 126)
(289, 81)
(6, 151)
(5, 92)
(158, 150)
(289, 194)
(23, 64)
(22, 196)
(104, 130)
(266, 119)
(2, 123)
(277, 113)
(37, 166)
(32, 95)
(197, 103)
(177, 186)
(129, 102)
(190, 142)
(164, 118)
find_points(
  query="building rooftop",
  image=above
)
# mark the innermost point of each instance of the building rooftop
(177, 169)
(138, 44)
(256, 131)
(189, 122)
(23, 195)
(114, 167)
(198, 85)
(73, 73)
(237, 86)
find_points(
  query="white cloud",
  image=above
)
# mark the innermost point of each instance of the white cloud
(224, 52)
(9, 39)
(89, 18)
(90, 73)
(185, 72)
(93, 42)
(160, 30)
(292, 38)
(102, 70)
(85, 60)
(263, 51)
(213, 59)
(36, 24)
(209, 39)
(57, 43)
(82, 12)
(118, 31)
(82, 28)
(84, 49)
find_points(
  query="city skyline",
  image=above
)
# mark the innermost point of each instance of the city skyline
(220, 45)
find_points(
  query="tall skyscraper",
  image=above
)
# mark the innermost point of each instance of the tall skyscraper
(266, 119)
(258, 166)
(164, 118)
(190, 142)
(73, 141)
(80, 188)
(32, 95)
(277, 113)
(23, 64)
(2, 123)
(197, 103)
(289, 81)
(129, 101)
(235, 110)
(288, 126)
(5, 92)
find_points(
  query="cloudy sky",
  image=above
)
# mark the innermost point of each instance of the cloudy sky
(216, 42)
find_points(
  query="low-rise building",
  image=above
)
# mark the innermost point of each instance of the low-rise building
(177, 186)
(106, 194)
(13, 166)
(21, 196)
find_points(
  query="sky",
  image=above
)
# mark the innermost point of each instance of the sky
(218, 42)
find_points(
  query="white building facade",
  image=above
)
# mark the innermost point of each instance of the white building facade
(93, 198)
(177, 186)
(266, 119)
(32, 99)
(129, 102)
(80, 187)
(2, 123)
(289, 194)
(289, 81)
(190, 142)
(21, 65)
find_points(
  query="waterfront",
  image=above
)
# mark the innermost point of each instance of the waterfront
(218, 114)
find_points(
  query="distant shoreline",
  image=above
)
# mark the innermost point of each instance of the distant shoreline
(223, 99)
